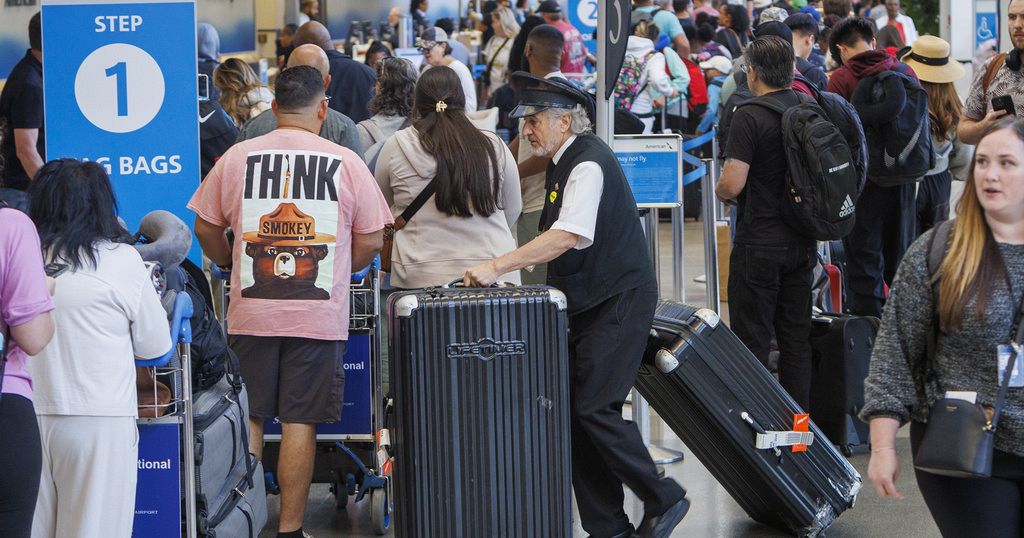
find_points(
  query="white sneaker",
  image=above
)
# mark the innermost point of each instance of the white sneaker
(702, 279)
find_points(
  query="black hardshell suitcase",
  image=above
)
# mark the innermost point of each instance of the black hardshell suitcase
(841, 352)
(717, 397)
(481, 408)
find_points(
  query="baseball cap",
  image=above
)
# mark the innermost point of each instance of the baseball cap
(719, 63)
(549, 6)
(431, 37)
(772, 14)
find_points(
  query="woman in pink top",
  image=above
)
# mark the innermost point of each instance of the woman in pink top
(26, 327)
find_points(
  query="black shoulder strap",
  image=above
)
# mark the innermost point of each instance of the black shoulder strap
(769, 103)
(937, 247)
(422, 198)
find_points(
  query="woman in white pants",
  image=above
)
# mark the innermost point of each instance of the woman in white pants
(106, 313)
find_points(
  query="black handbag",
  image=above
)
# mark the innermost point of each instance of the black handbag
(960, 438)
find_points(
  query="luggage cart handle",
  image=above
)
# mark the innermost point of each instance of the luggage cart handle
(220, 273)
(181, 331)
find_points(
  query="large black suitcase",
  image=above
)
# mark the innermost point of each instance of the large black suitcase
(841, 352)
(717, 398)
(481, 409)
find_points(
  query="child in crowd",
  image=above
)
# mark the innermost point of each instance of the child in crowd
(716, 70)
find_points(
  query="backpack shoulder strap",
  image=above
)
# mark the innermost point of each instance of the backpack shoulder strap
(767, 102)
(937, 248)
(993, 67)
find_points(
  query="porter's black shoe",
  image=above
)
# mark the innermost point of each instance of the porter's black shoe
(661, 526)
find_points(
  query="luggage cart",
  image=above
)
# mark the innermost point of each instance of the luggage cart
(166, 479)
(349, 454)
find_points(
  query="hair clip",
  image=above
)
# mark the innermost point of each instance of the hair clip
(441, 106)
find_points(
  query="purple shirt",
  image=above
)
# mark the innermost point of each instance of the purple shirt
(23, 291)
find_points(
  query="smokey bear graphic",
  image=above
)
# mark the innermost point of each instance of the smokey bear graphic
(286, 253)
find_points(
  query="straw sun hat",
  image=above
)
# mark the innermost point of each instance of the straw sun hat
(929, 57)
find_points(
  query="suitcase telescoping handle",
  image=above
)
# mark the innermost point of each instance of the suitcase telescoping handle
(457, 283)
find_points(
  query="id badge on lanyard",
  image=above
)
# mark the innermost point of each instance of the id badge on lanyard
(1003, 354)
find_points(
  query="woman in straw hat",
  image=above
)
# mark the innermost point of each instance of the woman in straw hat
(929, 57)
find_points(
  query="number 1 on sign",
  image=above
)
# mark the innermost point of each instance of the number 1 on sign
(120, 73)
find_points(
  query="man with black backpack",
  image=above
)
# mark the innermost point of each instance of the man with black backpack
(894, 110)
(782, 148)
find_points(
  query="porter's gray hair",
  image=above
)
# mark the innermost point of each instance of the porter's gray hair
(580, 120)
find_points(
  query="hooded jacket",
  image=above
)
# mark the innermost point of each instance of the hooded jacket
(433, 248)
(844, 80)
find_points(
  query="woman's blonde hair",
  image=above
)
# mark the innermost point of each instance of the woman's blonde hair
(973, 265)
(944, 108)
(235, 79)
(504, 16)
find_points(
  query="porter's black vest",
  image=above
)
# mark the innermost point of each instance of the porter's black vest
(618, 260)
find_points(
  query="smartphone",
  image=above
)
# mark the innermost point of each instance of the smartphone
(1004, 102)
(54, 270)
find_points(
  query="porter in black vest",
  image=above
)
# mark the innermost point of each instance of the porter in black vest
(618, 260)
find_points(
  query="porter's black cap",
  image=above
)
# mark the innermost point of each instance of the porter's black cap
(538, 94)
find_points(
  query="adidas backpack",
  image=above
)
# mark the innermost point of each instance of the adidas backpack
(845, 118)
(627, 86)
(894, 110)
(823, 183)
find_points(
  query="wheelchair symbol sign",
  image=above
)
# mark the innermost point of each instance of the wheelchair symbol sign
(985, 28)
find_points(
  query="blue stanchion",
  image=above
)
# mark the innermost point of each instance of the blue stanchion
(691, 144)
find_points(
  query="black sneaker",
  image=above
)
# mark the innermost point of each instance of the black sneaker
(661, 526)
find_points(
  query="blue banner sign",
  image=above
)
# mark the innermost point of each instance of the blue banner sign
(158, 493)
(120, 89)
(653, 165)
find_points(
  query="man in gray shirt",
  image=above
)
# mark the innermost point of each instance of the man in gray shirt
(337, 127)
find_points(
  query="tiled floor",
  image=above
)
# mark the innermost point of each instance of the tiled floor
(713, 512)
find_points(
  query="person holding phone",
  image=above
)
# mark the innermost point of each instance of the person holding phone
(107, 313)
(997, 84)
(26, 326)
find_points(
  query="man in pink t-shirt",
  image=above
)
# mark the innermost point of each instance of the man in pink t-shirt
(305, 213)
(574, 53)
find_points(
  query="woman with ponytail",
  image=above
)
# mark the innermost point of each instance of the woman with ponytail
(476, 202)
(940, 333)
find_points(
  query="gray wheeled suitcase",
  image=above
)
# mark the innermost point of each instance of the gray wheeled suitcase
(738, 421)
(228, 478)
(481, 409)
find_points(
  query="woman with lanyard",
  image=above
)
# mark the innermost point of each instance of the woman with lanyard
(950, 341)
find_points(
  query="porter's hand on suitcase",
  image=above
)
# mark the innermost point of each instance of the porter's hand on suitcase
(883, 470)
(480, 276)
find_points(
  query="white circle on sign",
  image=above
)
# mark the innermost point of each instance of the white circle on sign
(586, 10)
(119, 88)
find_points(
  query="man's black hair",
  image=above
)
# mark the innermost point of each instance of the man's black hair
(803, 23)
(772, 57)
(548, 37)
(446, 24)
(680, 5)
(851, 30)
(35, 32)
(298, 87)
(290, 29)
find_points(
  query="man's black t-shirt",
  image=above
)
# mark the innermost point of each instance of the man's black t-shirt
(21, 104)
(755, 137)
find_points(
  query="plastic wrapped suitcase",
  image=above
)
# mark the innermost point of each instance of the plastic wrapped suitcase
(840, 354)
(481, 409)
(739, 421)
